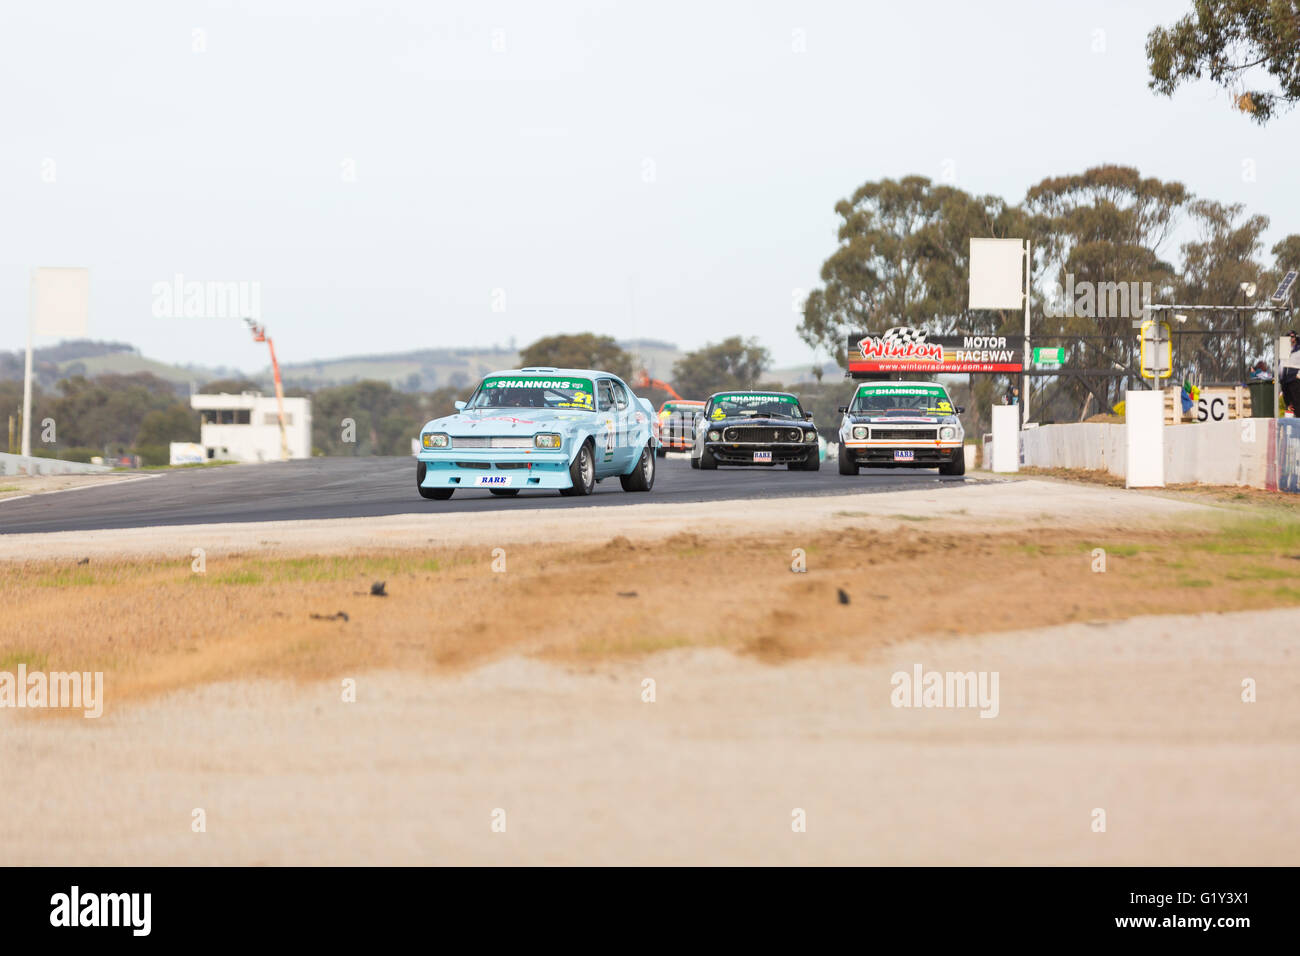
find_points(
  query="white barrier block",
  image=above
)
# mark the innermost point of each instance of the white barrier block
(1144, 416)
(1006, 437)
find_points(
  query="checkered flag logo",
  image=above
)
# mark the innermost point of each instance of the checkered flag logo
(901, 335)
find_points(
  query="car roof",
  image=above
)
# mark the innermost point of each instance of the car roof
(752, 391)
(548, 370)
(862, 385)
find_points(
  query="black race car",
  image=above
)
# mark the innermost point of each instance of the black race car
(755, 428)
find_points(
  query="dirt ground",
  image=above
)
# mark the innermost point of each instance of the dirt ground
(505, 668)
(1142, 720)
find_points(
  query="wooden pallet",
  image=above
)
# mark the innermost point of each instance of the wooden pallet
(1236, 398)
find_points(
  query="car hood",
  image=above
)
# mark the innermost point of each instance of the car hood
(508, 421)
(903, 419)
(765, 422)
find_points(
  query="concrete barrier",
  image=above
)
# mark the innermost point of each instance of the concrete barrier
(31, 465)
(1235, 452)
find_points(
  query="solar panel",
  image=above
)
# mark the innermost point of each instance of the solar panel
(1284, 287)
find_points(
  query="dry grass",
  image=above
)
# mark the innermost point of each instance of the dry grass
(153, 627)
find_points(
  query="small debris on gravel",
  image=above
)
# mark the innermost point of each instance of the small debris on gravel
(627, 594)
(843, 595)
(377, 589)
(84, 561)
(340, 616)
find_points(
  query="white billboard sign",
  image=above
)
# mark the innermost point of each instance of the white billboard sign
(60, 301)
(997, 273)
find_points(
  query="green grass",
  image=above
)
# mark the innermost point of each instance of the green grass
(33, 659)
(238, 576)
(320, 569)
(197, 464)
(1257, 572)
(68, 578)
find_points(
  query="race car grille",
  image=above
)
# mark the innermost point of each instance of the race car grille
(905, 434)
(758, 433)
(482, 465)
(496, 441)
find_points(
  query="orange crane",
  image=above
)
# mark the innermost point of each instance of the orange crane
(259, 335)
(643, 380)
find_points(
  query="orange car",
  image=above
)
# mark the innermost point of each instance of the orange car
(675, 426)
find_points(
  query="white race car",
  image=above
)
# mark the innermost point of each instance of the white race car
(902, 425)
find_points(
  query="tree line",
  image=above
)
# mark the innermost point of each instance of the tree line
(902, 258)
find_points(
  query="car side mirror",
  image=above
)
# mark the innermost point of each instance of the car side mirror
(460, 406)
(960, 409)
(807, 416)
(843, 409)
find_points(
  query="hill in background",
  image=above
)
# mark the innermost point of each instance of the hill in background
(421, 370)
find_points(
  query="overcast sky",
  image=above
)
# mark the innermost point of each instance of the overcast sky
(428, 174)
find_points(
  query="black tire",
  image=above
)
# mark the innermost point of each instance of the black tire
(436, 494)
(707, 461)
(643, 476)
(847, 465)
(582, 472)
(660, 451)
(812, 463)
(695, 462)
(504, 492)
(955, 467)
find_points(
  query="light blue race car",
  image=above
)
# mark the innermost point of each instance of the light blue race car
(529, 428)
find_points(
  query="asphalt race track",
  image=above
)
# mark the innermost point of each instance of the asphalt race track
(369, 487)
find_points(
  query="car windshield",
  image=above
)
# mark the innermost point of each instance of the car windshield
(901, 400)
(534, 391)
(753, 405)
(672, 408)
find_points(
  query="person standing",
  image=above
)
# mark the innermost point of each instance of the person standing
(1290, 379)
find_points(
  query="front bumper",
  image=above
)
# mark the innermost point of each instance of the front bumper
(742, 453)
(924, 454)
(521, 468)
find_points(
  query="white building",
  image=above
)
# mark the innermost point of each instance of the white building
(247, 427)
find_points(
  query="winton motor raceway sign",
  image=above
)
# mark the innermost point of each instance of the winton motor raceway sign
(912, 350)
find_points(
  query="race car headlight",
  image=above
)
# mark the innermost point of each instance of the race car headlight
(947, 433)
(714, 436)
(859, 432)
(435, 440)
(809, 436)
(547, 440)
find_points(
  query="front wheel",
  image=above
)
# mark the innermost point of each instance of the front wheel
(955, 467)
(643, 477)
(660, 451)
(848, 465)
(436, 494)
(707, 461)
(582, 472)
(812, 463)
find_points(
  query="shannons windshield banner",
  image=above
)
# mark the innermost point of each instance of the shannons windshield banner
(756, 397)
(891, 389)
(559, 384)
(904, 349)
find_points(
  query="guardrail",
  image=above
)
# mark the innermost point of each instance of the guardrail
(31, 465)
